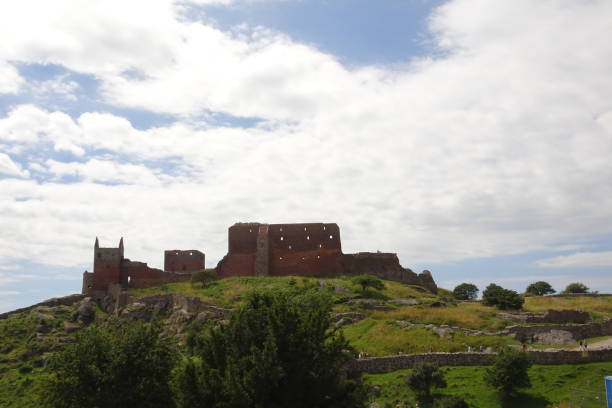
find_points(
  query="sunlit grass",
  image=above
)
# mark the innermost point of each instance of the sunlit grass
(468, 315)
(599, 306)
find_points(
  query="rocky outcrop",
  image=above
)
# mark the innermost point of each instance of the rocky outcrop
(144, 308)
(86, 312)
(385, 266)
(61, 301)
(342, 319)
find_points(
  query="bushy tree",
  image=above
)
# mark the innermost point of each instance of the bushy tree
(576, 287)
(501, 298)
(422, 378)
(465, 291)
(509, 372)
(540, 288)
(368, 281)
(204, 276)
(279, 350)
(116, 364)
(450, 401)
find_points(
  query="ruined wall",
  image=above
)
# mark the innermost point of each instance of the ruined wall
(242, 248)
(304, 249)
(385, 266)
(551, 316)
(87, 283)
(140, 275)
(107, 266)
(183, 260)
(579, 331)
(392, 363)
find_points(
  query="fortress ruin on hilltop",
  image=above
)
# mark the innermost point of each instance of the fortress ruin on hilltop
(254, 249)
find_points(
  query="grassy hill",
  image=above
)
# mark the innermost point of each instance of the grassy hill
(27, 339)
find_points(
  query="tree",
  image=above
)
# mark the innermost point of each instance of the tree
(540, 288)
(368, 281)
(204, 276)
(576, 287)
(465, 291)
(508, 372)
(117, 364)
(279, 350)
(501, 298)
(450, 401)
(424, 377)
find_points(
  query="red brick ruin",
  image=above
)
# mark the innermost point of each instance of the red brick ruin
(254, 249)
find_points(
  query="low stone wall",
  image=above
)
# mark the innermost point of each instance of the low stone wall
(376, 365)
(551, 316)
(579, 331)
(61, 301)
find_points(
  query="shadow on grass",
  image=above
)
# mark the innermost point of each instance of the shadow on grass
(525, 401)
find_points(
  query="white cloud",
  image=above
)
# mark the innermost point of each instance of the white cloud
(10, 168)
(10, 80)
(578, 260)
(499, 146)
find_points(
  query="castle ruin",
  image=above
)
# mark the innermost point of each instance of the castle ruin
(254, 249)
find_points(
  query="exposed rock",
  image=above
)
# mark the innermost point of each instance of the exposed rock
(405, 302)
(376, 390)
(71, 327)
(350, 315)
(86, 313)
(340, 289)
(556, 337)
(368, 304)
(436, 304)
(65, 301)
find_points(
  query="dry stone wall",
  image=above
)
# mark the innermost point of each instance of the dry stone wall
(376, 365)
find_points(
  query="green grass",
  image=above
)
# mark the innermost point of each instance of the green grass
(576, 385)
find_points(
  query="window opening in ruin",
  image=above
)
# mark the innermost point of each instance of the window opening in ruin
(308, 237)
(289, 246)
(129, 279)
(320, 246)
(324, 228)
(191, 253)
(280, 258)
(331, 237)
(281, 229)
(250, 230)
(318, 256)
(303, 259)
(304, 228)
(282, 238)
(99, 255)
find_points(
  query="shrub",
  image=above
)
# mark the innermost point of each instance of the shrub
(540, 288)
(118, 364)
(576, 287)
(465, 291)
(501, 298)
(279, 350)
(508, 372)
(424, 377)
(368, 281)
(204, 276)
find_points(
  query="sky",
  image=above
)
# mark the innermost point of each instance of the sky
(472, 138)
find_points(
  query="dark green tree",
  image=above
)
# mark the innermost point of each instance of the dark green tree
(540, 288)
(465, 291)
(501, 298)
(116, 364)
(422, 378)
(450, 401)
(368, 281)
(576, 287)
(204, 276)
(279, 350)
(509, 372)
